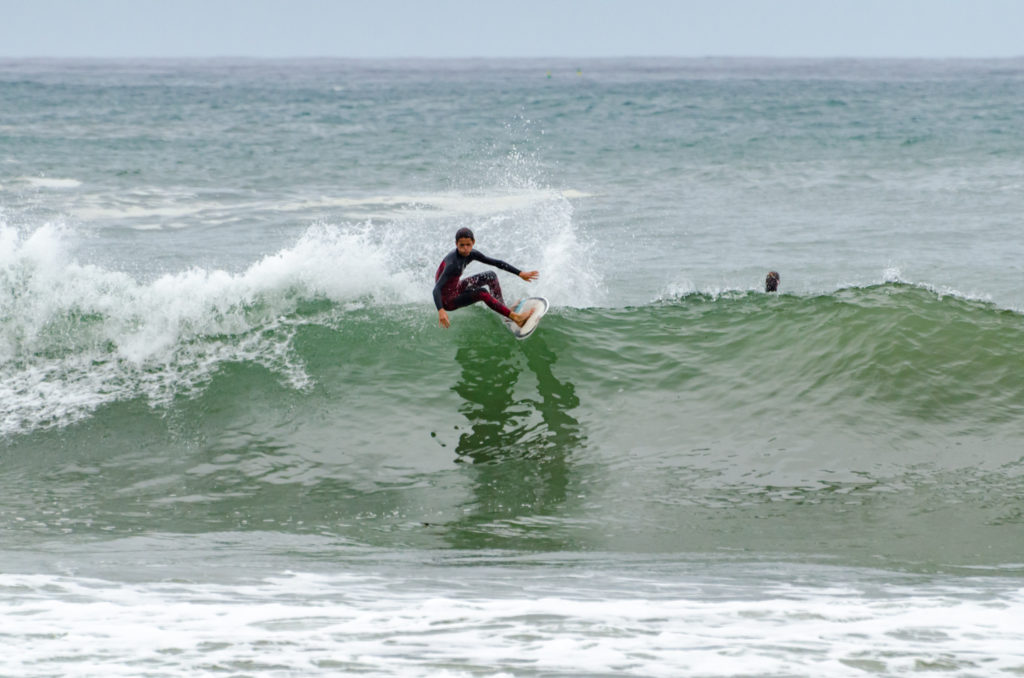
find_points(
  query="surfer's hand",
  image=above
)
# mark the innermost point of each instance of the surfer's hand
(442, 317)
(529, 275)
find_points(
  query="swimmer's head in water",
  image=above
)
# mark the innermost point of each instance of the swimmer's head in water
(771, 283)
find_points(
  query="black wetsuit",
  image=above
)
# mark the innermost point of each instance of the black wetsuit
(451, 293)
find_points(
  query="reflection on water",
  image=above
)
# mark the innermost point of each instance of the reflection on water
(520, 442)
(487, 382)
(503, 426)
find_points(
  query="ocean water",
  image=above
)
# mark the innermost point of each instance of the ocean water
(234, 440)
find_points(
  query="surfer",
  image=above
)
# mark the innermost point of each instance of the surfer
(451, 293)
(771, 283)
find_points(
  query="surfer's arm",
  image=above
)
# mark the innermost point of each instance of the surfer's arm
(444, 272)
(438, 303)
(442, 315)
(504, 265)
(441, 278)
(476, 255)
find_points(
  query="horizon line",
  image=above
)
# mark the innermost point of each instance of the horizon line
(721, 57)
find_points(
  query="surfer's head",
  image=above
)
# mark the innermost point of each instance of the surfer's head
(464, 241)
(771, 283)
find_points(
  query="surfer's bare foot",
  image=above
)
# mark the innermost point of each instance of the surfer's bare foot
(520, 318)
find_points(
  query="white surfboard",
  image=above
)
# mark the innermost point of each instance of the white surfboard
(539, 306)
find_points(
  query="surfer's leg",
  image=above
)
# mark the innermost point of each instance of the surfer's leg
(520, 318)
(490, 280)
(487, 279)
(481, 287)
(473, 295)
(494, 304)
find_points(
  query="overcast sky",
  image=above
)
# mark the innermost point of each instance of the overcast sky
(503, 28)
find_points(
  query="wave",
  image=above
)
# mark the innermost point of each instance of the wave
(741, 420)
(888, 366)
(75, 337)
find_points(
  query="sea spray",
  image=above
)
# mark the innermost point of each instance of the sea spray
(75, 336)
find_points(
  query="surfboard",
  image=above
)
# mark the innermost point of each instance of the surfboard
(539, 306)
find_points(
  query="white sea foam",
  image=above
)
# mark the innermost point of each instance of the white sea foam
(324, 625)
(681, 288)
(80, 335)
(532, 229)
(153, 208)
(51, 182)
(451, 204)
(546, 238)
(76, 335)
(892, 275)
(97, 212)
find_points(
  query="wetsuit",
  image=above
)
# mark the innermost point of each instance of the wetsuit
(451, 293)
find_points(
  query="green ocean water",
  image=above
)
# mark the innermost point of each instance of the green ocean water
(787, 424)
(234, 440)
